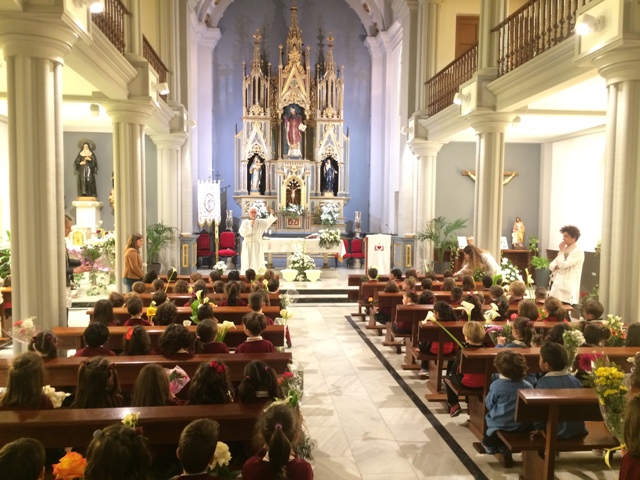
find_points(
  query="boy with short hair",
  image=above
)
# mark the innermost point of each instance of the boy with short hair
(541, 295)
(23, 459)
(196, 448)
(134, 307)
(516, 292)
(592, 310)
(372, 274)
(395, 274)
(456, 297)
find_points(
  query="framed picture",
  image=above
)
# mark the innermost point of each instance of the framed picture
(503, 243)
(462, 242)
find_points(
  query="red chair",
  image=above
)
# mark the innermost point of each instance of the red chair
(227, 246)
(356, 249)
(204, 248)
(347, 256)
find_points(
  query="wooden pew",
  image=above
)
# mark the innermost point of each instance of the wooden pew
(63, 372)
(161, 425)
(181, 298)
(232, 314)
(550, 407)
(225, 278)
(70, 338)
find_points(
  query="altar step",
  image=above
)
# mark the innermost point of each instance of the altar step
(320, 296)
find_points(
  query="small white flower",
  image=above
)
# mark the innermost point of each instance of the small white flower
(186, 323)
(222, 455)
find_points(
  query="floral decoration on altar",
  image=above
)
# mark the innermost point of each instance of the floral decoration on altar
(301, 262)
(100, 254)
(509, 273)
(329, 238)
(293, 211)
(220, 268)
(329, 213)
(261, 207)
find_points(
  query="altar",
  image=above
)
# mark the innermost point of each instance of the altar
(310, 246)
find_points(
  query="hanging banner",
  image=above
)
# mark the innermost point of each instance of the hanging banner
(208, 202)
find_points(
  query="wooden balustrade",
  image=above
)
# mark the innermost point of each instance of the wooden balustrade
(111, 22)
(442, 87)
(154, 60)
(534, 28)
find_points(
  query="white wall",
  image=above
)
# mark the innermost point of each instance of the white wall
(4, 178)
(576, 180)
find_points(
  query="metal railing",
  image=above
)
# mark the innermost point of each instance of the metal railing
(442, 87)
(153, 58)
(111, 22)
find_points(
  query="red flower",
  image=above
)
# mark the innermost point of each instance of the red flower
(18, 323)
(586, 359)
(583, 294)
(513, 316)
(287, 375)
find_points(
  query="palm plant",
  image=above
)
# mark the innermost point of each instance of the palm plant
(442, 233)
(159, 236)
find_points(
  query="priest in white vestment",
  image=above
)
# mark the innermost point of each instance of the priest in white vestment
(252, 230)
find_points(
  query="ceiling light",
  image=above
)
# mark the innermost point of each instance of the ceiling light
(588, 23)
(163, 88)
(95, 109)
(516, 121)
(460, 98)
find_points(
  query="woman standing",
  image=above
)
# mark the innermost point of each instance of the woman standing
(132, 265)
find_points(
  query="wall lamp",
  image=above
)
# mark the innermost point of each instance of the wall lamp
(95, 6)
(95, 109)
(588, 23)
(404, 130)
(163, 88)
(460, 98)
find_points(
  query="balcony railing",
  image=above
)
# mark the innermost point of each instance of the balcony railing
(442, 87)
(534, 28)
(111, 22)
(153, 58)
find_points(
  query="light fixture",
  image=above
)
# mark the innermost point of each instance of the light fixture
(163, 88)
(404, 130)
(192, 123)
(95, 6)
(516, 121)
(588, 23)
(95, 109)
(460, 98)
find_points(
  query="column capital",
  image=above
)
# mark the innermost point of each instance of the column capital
(490, 122)
(134, 110)
(620, 64)
(35, 37)
(172, 141)
(424, 148)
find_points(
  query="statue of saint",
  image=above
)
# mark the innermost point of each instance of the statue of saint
(517, 234)
(256, 175)
(329, 175)
(292, 122)
(86, 165)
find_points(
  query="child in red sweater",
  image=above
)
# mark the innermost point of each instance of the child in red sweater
(254, 325)
(95, 336)
(134, 307)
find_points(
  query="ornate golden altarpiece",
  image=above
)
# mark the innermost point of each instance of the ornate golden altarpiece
(292, 149)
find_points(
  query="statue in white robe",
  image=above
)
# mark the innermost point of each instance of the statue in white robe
(252, 230)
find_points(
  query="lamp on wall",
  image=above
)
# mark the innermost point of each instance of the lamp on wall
(163, 88)
(588, 23)
(460, 98)
(95, 109)
(404, 130)
(95, 6)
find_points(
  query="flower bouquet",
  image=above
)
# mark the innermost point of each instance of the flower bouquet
(329, 238)
(510, 273)
(178, 378)
(329, 213)
(495, 332)
(572, 339)
(293, 211)
(24, 330)
(222, 330)
(292, 381)
(71, 467)
(618, 334)
(219, 468)
(301, 262)
(220, 268)
(288, 298)
(56, 397)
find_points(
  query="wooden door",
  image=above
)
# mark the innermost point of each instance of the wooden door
(467, 27)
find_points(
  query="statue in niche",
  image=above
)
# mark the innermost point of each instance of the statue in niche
(256, 174)
(293, 130)
(86, 166)
(329, 180)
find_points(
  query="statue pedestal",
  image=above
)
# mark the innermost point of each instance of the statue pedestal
(88, 213)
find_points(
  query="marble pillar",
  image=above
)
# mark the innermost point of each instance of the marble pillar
(129, 118)
(34, 49)
(490, 131)
(620, 257)
(169, 159)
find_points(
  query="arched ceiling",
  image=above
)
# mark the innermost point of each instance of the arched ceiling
(375, 15)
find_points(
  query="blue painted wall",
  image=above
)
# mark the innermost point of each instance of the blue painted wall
(239, 23)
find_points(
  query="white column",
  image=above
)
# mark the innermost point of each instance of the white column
(492, 12)
(34, 51)
(129, 118)
(169, 148)
(620, 257)
(134, 32)
(427, 153)
(487, 212)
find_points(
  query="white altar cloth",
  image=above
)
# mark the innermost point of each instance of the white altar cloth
(311, 247)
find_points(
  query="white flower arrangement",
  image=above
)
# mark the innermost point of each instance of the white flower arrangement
(510, 273)
(301, 262)
(285, 300)
(572, 340)
(56, 397)
(222, 455)
(220, 267)
(329, 238)
(329, 213)
(293, 210)
(261, 207)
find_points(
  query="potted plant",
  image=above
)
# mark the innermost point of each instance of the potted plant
(159, 237)
(442, 233)
(5, 257)
(541, 273)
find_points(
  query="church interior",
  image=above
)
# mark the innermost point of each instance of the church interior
(130, 116)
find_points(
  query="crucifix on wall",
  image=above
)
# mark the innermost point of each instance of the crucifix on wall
(509, 175)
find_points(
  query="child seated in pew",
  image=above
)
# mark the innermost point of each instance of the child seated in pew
(23, 459)
(554, 361)
(254, 325)
(181, 286)
(409, 284)
(218, 287)
(95, 336)
(152, 388)
(172, 275)
(175, 342)
(24, 385)
(473, 337)
(592, 311)
(274, 285)
(198, 286)
(157, 286)
(196, 449)
(195, 276)
(412, 272)
(257, 301)
(45, 344)
(118, 452)
(502, 398)
(205, 312)
(528, 309)
(442, 312)
(556, 333)
(206, 335)
(116, 299)
(211, 385)
(372, 275)
(134, 307)
(233, 290)
(630, 466)
(260, 383)
(595, 334)
(426, 284)
(405, 327)
(214, 276)
(555, 312)
(447, 274)
(150, 276)
(139, 287)
(633, 335)
(476, 313)
(159, 297)
(496, 294)
(103, 313)
(136, 342)
(517, 290)
(468, 284)
(426, 298)
(540, 296)
(522, 331)
(487, 282)
(395, 274)
(448, 284)
(98, 385)
(456, 297)
(383, 314)
(233, 276)
(279, 427)
(250, 275)
(166, 314)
